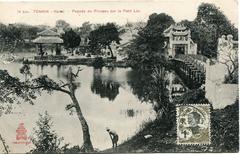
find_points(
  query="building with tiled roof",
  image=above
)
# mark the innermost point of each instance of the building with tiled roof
(48, 37)
(178, 41)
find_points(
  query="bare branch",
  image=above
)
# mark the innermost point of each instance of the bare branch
(76, 75)
(69, 106)
(64, 85)
(50, 87)
(62, 82)
(4, 144)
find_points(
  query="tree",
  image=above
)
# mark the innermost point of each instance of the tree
(45, 139)
(147, 48)
(151, 86)
(45, 83)
(63, 25)
(71, 40)
(13, 36)
(209, 25)
(13, 90)
(25, 70)
(161, 96)
(228, 55)
(103, 37)
(6, 148)
(232, 68)
(85, 30)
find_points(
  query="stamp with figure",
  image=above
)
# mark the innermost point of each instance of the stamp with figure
(193, 124)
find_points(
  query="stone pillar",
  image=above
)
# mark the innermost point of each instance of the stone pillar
(170, 50)
(36, 48)
(173, 50)
(185, 49)
(188, 44)
(41, 50)
(58, 50)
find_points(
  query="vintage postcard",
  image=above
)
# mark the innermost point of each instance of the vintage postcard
(111, 76)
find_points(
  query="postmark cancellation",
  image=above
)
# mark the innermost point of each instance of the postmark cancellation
(193, 124)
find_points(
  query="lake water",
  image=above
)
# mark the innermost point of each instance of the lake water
(105, 97)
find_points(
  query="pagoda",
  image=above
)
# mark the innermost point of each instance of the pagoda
(178, 41)
(48, 37)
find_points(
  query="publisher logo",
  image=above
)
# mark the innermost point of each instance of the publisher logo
(21, 135)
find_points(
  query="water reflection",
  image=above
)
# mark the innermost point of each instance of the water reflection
(105, 88)
(158, 86)
(130, 113)
(120, 110)
(140, 84)
(152, 86)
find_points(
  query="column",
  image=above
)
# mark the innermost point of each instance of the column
(41, 50)
(186, 49)
(173, 50)
(58, 51)
(36, 48)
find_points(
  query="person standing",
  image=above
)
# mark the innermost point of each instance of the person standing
(113, 136)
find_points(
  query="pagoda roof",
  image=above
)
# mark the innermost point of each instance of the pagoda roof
(167, 31)
(48, 32)
(176, 29)
(47, 40)
(180, 33)
(179, 27)
(48, 37)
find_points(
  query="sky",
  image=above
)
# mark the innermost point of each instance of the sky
(97, 11)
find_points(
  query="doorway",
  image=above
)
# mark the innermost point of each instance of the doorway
(180, 49)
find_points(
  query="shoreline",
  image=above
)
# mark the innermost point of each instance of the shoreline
(77, 61)
(164, 135)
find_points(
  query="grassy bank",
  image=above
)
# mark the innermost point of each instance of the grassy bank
(224, 134)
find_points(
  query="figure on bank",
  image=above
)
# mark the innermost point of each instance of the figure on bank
(113, 136)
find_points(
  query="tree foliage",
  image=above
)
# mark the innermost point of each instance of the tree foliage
(62, 24)
(105, 88)
(209, 25)
(147, 48)
(103, 37)
(25, 70)
(13, 36)
(151, 86)
(14, 90)
(45, 139)
(85, 30)
(226, 122)
(71, 40)
(5, 147)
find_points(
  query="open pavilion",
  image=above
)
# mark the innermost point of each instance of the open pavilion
(48, 37)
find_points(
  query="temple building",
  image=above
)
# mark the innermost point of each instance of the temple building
(178, 41)
(48, 38)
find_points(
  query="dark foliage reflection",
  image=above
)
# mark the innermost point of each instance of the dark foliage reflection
(103, 87)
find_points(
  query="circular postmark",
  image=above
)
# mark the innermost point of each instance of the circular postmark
(193, 122)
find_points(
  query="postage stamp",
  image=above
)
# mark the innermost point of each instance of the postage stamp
(193, 124)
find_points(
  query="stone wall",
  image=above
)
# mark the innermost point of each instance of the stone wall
(217, 92)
